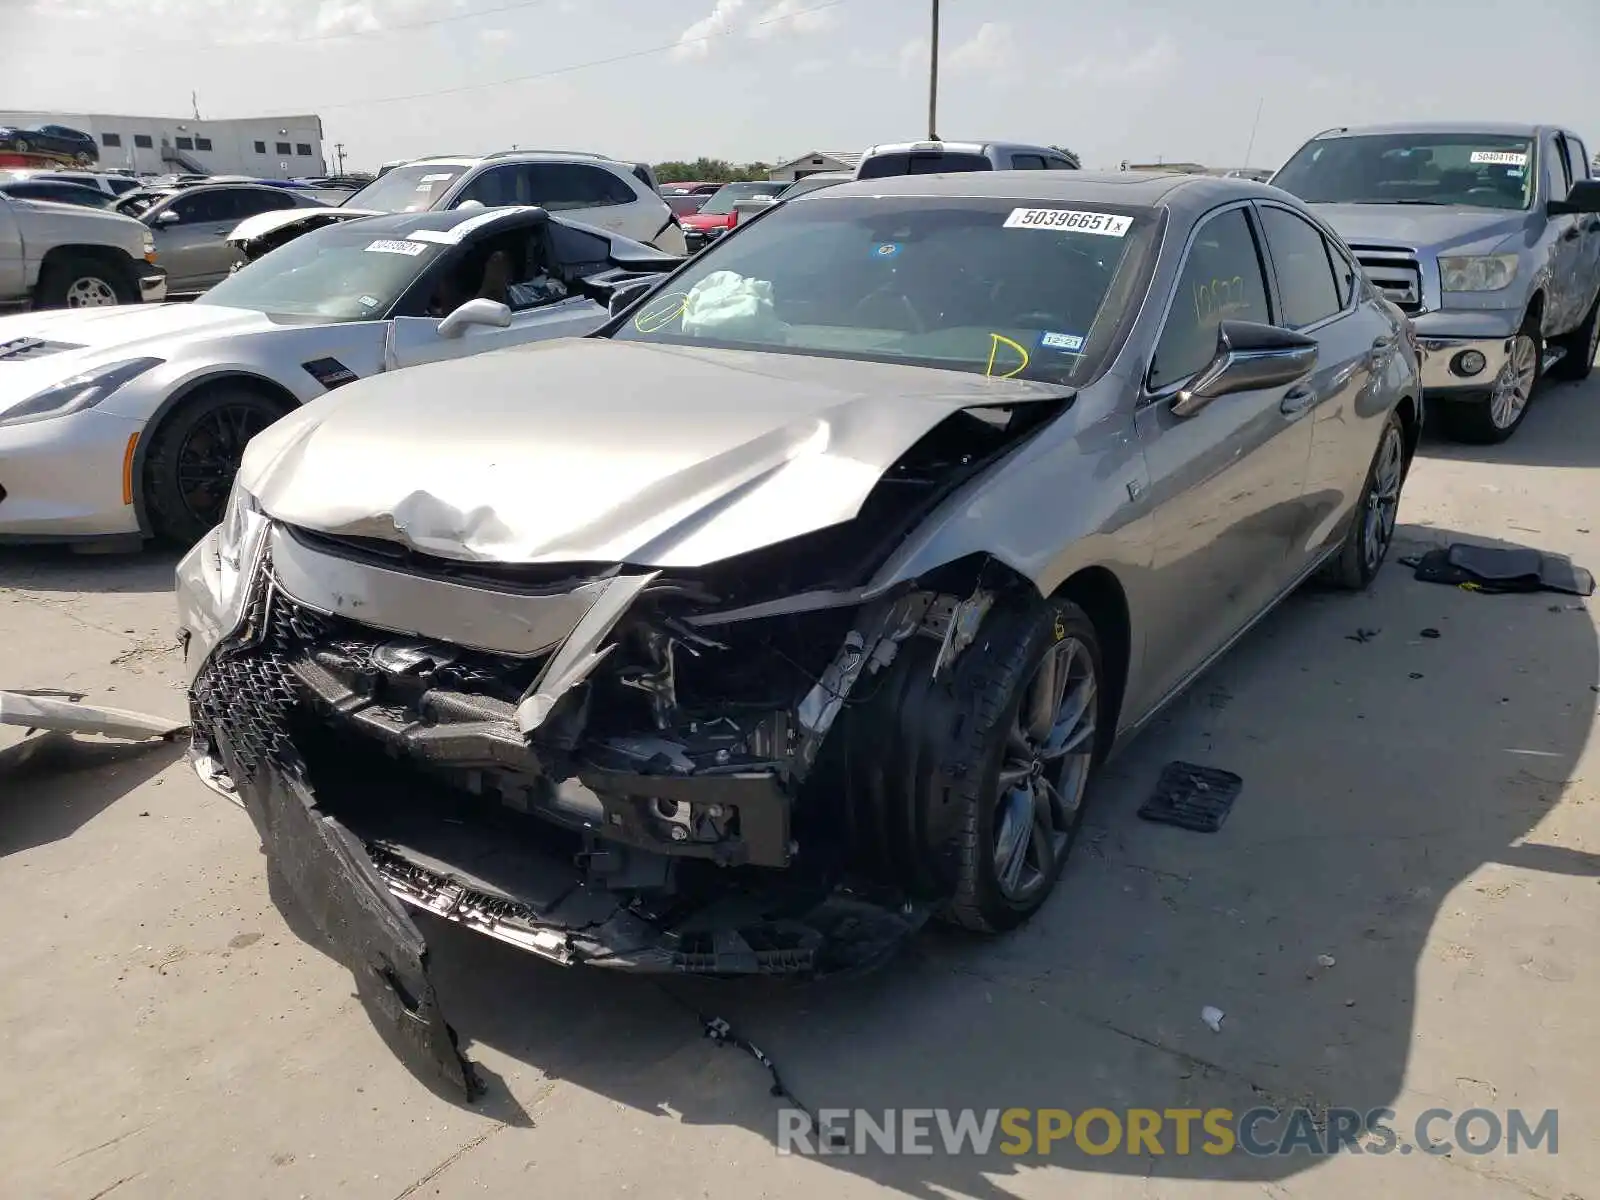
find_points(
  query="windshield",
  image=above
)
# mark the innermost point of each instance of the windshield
(1472, 170)
(339, 273)
(1007, 288)
(413, 188)
(721, 204)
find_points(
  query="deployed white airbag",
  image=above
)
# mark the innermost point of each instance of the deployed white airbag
(729, 305)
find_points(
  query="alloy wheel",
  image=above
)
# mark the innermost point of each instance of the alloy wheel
(1383, 499)
(90, 292)
(1045, 770)
(210, 455)
(1514, 386)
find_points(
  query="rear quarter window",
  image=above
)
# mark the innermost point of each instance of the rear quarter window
(881, 166)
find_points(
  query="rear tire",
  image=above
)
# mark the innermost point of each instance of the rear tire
(1581, 345)
(1371, 533)
(82, 281)
(1495, 417)
(193, 456)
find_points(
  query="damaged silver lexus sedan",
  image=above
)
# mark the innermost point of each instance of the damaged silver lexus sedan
(804, 598)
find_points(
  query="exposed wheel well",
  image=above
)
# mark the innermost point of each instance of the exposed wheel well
(1407, 410)
(1536, 310)
(113, 257)
(190, 394)
(1099, 593)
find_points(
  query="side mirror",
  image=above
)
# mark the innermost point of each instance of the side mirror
(1583, 198)
(167, 217)
(623, 295)
(481, 311)
(1249, 356)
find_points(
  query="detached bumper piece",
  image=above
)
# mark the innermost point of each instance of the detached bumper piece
(381, 777)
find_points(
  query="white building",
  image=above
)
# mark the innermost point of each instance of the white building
(814, 162)
(266, 147)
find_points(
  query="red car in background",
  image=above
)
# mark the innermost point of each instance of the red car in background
(717, 215)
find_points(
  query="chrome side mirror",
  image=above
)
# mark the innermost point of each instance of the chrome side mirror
(481, 311)
(1250, 356)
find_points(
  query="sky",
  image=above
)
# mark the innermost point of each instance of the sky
(769, 80)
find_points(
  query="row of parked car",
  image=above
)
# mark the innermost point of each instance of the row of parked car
(643, 648)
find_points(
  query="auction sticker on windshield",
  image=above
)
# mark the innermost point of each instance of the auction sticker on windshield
(1500, 158)
(392, 246)
(1069, 220)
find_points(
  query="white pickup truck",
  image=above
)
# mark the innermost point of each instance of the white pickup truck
(63, 256)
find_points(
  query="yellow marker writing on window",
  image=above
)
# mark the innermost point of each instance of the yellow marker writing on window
(661, 312)
(996, 340)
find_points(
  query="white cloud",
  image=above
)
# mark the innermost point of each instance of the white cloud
(1123, 64)
(791, 16)
(811, 66)
(494, 37)
(779, 19)
(992, 48)
(913, 57)
(693, 42)
(244, 21)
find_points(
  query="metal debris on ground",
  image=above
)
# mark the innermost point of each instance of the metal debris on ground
(55, 711)
(1212, 1017)
(1430, 632)
(1501, 569)
(1362, 635)
(1192, 797)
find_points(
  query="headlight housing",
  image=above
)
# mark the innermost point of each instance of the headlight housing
(1478, 272)
(240, 521)
(76, 394)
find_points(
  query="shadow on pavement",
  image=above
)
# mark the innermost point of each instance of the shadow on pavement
(1380, 772)
(59, 569)
(1559, 431)
(51, 784)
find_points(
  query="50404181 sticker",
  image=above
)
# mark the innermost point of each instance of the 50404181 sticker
(1069, 220)
(1500, 158)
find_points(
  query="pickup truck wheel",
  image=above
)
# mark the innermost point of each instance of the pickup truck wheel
(193, 456)
(1495, 417)
(79, 281)
(1581, 345)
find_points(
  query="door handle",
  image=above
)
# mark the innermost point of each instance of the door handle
(1297, 399)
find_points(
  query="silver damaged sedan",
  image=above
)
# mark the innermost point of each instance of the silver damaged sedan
(803, 599)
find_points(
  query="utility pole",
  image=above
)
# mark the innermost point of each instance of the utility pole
(338, 154)
(933, 77)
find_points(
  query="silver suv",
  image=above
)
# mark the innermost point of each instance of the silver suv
(931, 158)
(588, 188)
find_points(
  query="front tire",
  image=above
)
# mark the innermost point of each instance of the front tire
(1494, 418)
(79, 281)
(1371, 533)
(1037, 698)
(193, 456)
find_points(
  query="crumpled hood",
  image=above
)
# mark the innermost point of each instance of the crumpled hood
(43, 348)
(270, 222)
(1419, 226)
(593, 450)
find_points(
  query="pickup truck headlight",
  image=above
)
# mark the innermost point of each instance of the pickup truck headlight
(1478, 273)
(76, 394)
(149, 247)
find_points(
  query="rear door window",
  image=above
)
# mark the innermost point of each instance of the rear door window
(206, 206)
(557, 186)
(1305, 276)
(263, 200)
(1028, 162)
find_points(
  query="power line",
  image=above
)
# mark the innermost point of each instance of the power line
(583, 66)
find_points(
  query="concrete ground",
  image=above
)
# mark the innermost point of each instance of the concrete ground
(1419, 810)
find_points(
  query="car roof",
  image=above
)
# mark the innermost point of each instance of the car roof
(1494, 128)
(446, 220)
(957, 146)
(1138, 189)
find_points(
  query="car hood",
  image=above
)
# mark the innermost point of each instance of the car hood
(1419, 226)
(593, 450)
(279, 218)
(43, 348)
